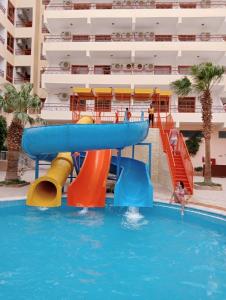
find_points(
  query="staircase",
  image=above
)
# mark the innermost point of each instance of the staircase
(180, 173)
(180, 164)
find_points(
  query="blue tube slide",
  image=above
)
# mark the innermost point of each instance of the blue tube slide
(46, 140)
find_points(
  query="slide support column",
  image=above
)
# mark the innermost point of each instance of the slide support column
(150, 154)
(118, 162)
(36, 168)
(133, 151)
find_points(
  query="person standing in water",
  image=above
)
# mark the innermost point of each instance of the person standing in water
(178, 195)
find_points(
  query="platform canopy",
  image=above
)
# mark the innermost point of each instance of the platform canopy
(82, 92)
(142, 94)
(103, 93)
(123, 93)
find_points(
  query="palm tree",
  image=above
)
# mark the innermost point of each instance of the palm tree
(203, 78)
(17, 104)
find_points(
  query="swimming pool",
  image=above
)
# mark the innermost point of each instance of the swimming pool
(60, 254)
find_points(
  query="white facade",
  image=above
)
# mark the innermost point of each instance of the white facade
(20, 32)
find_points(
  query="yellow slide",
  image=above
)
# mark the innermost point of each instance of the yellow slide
(46, 191)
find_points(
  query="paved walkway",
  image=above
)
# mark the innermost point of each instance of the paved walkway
(214, 201)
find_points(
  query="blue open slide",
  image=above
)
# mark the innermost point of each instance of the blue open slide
(133, 187)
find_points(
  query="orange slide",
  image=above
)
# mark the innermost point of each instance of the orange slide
(89, 188)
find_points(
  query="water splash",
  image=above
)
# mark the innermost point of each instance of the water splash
(42, 208)
(133, 219)
(83, 211)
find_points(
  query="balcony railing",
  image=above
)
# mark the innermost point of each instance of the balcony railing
(129, 69)
(2, 40)
(11, 19)
(129, 4)
(23, 51)
(10, 49)
(1, 73)
(24, 24)
(136, 108)
(137, 37)
(21, 80)
(2, 8)
(197, 109)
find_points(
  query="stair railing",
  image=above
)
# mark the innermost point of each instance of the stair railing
(186, 161)
(166, 145)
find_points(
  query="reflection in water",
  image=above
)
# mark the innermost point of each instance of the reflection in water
(133, 219)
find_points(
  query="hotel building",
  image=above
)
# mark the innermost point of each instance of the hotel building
(104, 56)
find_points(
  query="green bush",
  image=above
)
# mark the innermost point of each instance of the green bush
(198, 169)
(193, 144)
(3, 132)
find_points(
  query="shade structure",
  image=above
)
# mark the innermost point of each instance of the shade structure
(123, 93)
(142, 94)
(83, 93)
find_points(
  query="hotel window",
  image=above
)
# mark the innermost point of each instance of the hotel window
(77, 104)
(186, 104)
(162, 104)
(10, 42)
(11, 12)
(222, 134)
(9, 72)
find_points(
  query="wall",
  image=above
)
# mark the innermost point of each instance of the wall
(218, 151)
(160, 174)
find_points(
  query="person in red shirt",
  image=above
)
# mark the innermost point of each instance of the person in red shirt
(117, 117)
(127, 115)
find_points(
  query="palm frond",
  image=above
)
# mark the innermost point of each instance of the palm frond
(182, 87)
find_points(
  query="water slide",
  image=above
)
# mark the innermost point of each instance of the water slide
(133, 187)
(89, 188)
(49, 140)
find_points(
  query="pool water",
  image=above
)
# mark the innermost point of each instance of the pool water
(61, 254)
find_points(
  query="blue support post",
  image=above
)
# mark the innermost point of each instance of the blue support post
(150, 154)
(36, 168)
(118, 162)
(133, 151)
(142, 116)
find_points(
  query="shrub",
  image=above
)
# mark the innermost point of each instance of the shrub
(193, 144)
(3, 132)
(198, 169)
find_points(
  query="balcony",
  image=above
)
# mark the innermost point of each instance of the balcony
(118, 69)
(24, 23)
(21, 80)
(23, 52)
(135, 37)
(129, 4)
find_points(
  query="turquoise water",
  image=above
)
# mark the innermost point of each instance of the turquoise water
(59, 254)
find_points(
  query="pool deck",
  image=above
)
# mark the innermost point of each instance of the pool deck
(211, 201)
